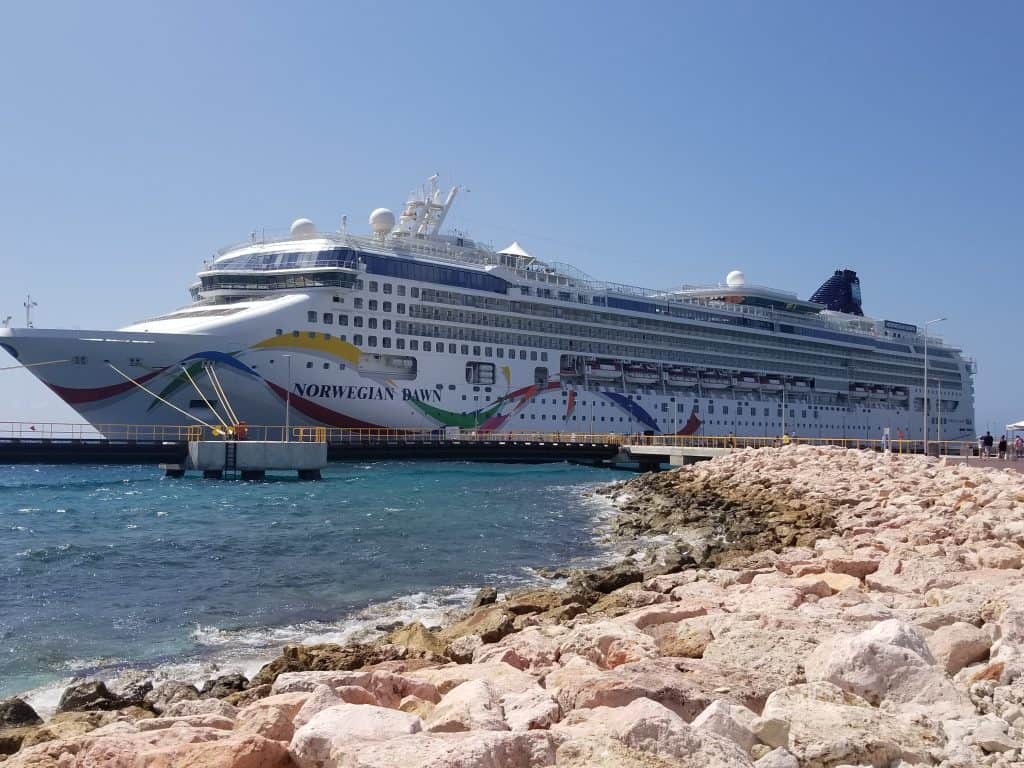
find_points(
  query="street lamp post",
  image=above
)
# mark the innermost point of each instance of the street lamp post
(924, 420)
(288, 402)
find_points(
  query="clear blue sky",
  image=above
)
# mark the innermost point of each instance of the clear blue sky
(650, 143)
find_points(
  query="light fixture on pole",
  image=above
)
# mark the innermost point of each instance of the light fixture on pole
(924, 420)
(288, 402)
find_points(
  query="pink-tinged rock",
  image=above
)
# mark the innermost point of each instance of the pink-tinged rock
(390, 688)
(414, 705)
(533, 649)
(1007, 557)
(247, 750)
(709, 596)
(957, 645)
(760, 599)
(201, 707)
(881, 672)
(607, 644)
(324, 697)
(901, 634)
(829, 727)
(718, 718)
(504, 677)
(812, 584)
(1011, 624)
(661, 613)
(778, 758)
(472, 706)
(665, 584)
(472, 749)
(323, 740)
(188, 721)
(272, 716)
(530, 710)
(858, 564)
(603, 752)
(650, 727)
(113, 751)
(298, 682)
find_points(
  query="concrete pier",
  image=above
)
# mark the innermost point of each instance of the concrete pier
(251, 459)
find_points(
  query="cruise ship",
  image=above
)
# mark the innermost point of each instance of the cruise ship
(412, 328)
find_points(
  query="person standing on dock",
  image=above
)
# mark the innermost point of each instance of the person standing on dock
(1002, 447)
(986, 443)
(1018, 447)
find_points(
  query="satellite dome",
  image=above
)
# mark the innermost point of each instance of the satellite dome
(735, 279)
(303, 228)
(382, 221)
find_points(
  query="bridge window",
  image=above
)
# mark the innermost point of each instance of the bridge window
(371, 341)
(357, 322)
(372, 322)
(193, 404)
(357, 339)
(401, 290)
(400, 308)
(373, 305)
(387, 306)
(311, 316)
(373, 286)
(357, 303)
(387, 288)
(414, 292)
(328, 318)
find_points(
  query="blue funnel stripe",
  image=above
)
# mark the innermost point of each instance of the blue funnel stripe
(221, 357)
(633, 409)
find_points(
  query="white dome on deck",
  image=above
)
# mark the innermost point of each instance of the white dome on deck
(382, 221)
(735, 279)
(303, 228)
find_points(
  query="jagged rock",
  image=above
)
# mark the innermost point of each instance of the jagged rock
(778, 758)
(606, 579)
(272, 717)
(417, 637)
(718, 718)
(222, 686)
(486, 596)
(131, 686)
(490, 623)
(322, 658)
(957, 645)
(192, 707)
(89, 696)
(249, 695)
(472, 706)
(463, 648)
(170, 692)
(323, 740)
(15, 712)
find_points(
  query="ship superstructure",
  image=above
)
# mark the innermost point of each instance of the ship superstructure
(410, 328)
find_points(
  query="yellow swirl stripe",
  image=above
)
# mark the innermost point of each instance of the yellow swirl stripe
(321, 343)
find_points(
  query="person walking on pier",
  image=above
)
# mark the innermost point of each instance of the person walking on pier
(986, 443)
(1002, 447)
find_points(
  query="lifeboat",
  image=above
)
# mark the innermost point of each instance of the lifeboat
(642, 374)
(681, 377)
(604, 370)
(900, 393)
(745, 381)
(859, 391)
(714, 380)
(771, 383)
(800, 383)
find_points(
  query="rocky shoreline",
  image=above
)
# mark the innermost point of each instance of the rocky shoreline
(794, 607)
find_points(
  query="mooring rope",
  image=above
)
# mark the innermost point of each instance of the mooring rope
(208, 404)
(221, 393)
(165, 402)
(33, 365)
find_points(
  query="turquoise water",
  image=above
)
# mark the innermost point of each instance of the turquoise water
(106, 567)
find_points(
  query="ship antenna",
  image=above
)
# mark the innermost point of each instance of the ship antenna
(7, 322)
(29, 305)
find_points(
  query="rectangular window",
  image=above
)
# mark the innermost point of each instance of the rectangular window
(401, 290)
(342, 319)
(543, 357)
(451, 349)
(426, 346)
(371, 341)
(400, 308)
(386, 342)
(522, 354)
(385, 324)
(387, 306)
(488, 352)
(357, 302)
(373, 286)
(476, 350)
(501, 352)
(414, 344)
(311, 316)
(202, 404)
(357, 322)
(414, 292)
(357, 339)
(465, 349)
(373, 305)
(400, 343)
(328, 318)
(387, 288)
(372, 322)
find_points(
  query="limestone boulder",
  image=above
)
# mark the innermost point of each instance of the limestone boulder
(830, 727)
(170, 692)
(469, 749)
(323, 740)
(603, 752)
(504, 677)
(719, 718)
(958, 645)
(273, 716)
(647, 726)
(294, 682)
(626, 599)
(190, 707)
(224, 685)
(607, 644)
(472, 706)
(389, 688)
(490, 623)
(533, 649)
(417, 637)
(778, 758)
(187, 721)
(530, 710)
